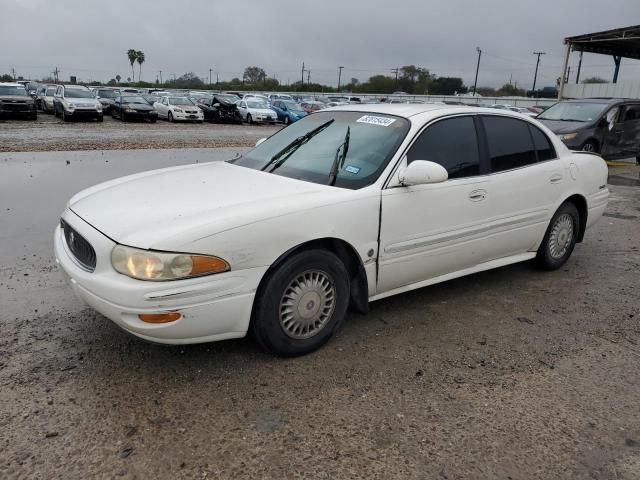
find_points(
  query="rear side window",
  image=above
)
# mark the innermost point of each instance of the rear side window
(452, 143)
(543, 146)
(632, 113)
(510, 143)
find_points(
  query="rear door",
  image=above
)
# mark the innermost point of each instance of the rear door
(613, 138)
(631, 130)
(431, 230)
(526, 181)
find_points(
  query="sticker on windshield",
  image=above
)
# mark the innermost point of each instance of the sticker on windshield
(373, 120)
(352, 169)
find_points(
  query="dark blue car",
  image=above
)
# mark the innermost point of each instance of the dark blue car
(288, 111)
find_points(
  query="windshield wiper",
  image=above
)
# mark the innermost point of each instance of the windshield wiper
(338, 161)
(279, 158)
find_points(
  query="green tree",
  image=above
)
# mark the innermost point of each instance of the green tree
(6, 78)
(508, 90)
(118, 78)
(132, 55)
(254, 74)
(190, 81)
(112, 82)
(140, 59)
(594, 80)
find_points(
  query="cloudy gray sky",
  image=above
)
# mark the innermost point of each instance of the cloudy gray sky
(90, 38)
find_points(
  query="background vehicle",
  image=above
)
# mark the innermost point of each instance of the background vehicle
(106, 97)
(178, 109)
(312, 106)
(288, 112)
(75, 101)
(44, 98)
(337, 210)
(279, 96)
(221, 108)
(133, 107)
(253, 109)
(610, 127)
(15, 101)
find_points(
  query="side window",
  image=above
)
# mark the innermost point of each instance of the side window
(452, 143)
(632, 113)
(509, 141)
(543, 146)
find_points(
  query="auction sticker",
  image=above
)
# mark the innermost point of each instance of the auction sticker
(373, 120)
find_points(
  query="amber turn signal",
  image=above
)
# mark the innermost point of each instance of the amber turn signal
(159, 317)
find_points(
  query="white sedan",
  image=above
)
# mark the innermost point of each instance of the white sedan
(178, 109)
(347, 206)
(255, 110)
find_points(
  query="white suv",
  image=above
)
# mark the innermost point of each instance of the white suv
(76, 101)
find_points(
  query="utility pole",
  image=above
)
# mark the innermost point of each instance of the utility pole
(339, 76)
(302, 79)
(13, 73)
(55, 73)
(210, 70)
(217, 80)
(160, 77)
(475, 82)
(308, 77)
(535, 75)
(395, 70)
(579, 68)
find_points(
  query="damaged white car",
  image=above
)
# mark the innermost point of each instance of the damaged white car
(347, 206)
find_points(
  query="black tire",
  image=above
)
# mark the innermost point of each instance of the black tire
(170, 117)
(56, 113)
(100, 118)
(33, 116)
(286, 120)
(266, 325)
(249, 119)
(560, 238)
(153, 120)
(123, 116)
(65, 117)
(590, 146)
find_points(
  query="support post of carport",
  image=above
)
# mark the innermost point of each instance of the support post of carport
(564, 70)
(616, 60)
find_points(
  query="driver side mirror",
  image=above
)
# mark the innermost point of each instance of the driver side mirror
(422, 172)
(260, 141)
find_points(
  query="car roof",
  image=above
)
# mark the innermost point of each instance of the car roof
(11, 84)
(600, 100)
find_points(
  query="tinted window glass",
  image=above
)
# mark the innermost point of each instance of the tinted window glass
(510, 144)
(452, 143)
(632, 113)
(543, 146)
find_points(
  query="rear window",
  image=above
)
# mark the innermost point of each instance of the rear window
(510, 143)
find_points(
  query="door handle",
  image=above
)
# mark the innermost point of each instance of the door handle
(478, 195)
(557, 178)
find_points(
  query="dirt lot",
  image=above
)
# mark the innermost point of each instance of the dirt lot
(511, 374)
(49, 133)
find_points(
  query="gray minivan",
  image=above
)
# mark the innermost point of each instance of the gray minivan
(610, 127)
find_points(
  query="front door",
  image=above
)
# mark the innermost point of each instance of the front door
(430, 230)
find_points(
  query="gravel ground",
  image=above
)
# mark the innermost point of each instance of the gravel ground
(512, 373)
(49, 133)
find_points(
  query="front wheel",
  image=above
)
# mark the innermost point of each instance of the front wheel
(170, 117)
(590, 146)
(249, 119)
(301, 303)
(286, 120)
(560, 238)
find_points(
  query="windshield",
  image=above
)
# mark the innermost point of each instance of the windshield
(292, 106)
(107, 93)
(574, 111)
(134, 100)
(51, 91)
(373, 139)
(77, 93)
(11, 90)
(256, 104)
(179, 101)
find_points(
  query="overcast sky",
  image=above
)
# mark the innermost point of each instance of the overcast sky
(90, 38)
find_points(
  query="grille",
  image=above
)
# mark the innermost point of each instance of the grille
(15, 107)
(82, 250)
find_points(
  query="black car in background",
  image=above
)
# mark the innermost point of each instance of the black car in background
(610, 127)
(106, 97)
(133, 107)
(221, 108)
(15, 101)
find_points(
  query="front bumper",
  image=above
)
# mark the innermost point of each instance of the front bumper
(193, 117)
(142, 115)
(83, 113)
(213, 308)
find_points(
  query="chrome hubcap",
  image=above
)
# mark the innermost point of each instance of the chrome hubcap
(307, 304)
(561, 236)
(588, 147)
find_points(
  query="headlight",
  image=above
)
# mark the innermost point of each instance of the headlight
(70, 106)
(162, 266)
(128, 109)
(568, 136)
(177, 109)
(99, 106)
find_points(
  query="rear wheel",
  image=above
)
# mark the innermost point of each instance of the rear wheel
(65, 117)
(286, 120)
(590, 146)
(301, 303)
(100, 118)
(170, 116)
(560, 238)
(249, 119)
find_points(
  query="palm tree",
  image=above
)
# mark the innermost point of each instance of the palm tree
(118, 77)
(140, 59)
(132, 54)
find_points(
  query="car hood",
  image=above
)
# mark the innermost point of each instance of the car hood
(11, 98)
(559, 126)
(170, 208)
(145, 107)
